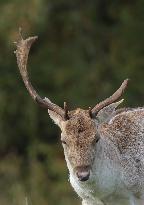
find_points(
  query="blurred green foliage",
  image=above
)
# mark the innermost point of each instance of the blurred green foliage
(85, 50)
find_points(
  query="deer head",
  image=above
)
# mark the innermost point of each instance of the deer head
(79, 128)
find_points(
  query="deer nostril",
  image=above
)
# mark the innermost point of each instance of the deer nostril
(83, 175)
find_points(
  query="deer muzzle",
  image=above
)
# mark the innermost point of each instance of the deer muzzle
(83, 173)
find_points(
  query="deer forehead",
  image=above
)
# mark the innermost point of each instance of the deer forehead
(80, 126)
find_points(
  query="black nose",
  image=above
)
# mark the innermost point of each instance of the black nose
(83, 176)
(83, 173)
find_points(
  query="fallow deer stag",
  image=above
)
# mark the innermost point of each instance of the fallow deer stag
(103, 146)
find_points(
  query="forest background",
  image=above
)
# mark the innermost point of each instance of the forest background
(86, 48)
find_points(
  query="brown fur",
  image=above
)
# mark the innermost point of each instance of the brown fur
(80, 135)
(124, 130)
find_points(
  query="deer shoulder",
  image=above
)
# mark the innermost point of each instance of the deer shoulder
(125, 129)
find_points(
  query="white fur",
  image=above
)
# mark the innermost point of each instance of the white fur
(105, 186)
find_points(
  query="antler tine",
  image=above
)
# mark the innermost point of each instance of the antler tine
(22, 52)
(90, 112)
(111, 99)
(66, 111)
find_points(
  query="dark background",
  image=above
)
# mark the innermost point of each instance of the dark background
(86, 48)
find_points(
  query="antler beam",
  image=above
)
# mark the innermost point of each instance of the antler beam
(22, 52)
(111, 99)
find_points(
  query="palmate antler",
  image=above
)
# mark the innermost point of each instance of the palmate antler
(22, 52)
(110, 100)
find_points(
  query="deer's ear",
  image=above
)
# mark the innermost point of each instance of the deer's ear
(56, 118)
(105, 114)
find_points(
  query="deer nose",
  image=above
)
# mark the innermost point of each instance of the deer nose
(83, 176)
(83, 173)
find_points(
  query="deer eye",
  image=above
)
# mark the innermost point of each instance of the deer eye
(97, 139)
(63, 142)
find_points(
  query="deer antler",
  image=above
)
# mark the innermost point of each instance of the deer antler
(111, 99)
(22, 52)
